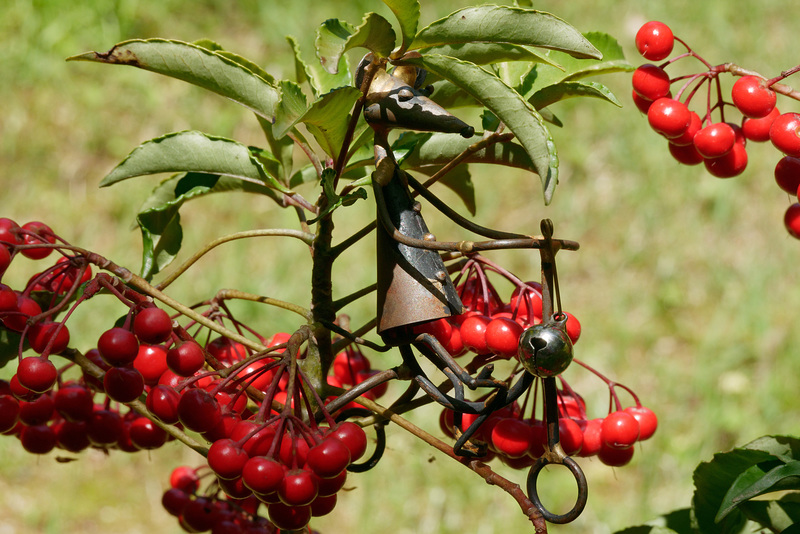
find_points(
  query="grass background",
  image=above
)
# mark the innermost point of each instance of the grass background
(686, 285)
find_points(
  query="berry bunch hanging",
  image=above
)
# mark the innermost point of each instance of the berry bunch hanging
(707, 136)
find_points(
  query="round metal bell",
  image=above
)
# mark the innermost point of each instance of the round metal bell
(545, 349)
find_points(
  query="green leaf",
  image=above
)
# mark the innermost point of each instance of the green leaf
(776, 516)
(192, 151)
(712, 481)
(449, 95)
(759, 479)
(486, 53)
(785, 448)
(437, 149)
(335, 37)
(290, 108)
(335, 201)
(501, 24)
(407, 13)
(561, 91)
(159, 217)
(283, 150)
(197, 65)
(517, 114)
(678, 522)
(320, 80)
(613, 60)
(327, 117)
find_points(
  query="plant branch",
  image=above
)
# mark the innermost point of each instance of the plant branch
(228, 294)
(305, 237)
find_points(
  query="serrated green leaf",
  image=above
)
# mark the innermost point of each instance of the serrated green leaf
(291, 107)
(572, 69)
(197, 65)
(561, 91)
(196, 152)
(502, 24)
(336, 37)
(327, 118)
(159, 217)
(407, 13)
(320, 81)
(436, 149)
(759, 479)
(516, 113)
(334, 201)
(486, 53)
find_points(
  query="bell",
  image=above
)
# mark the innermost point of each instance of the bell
(545, 349)
(413, 283)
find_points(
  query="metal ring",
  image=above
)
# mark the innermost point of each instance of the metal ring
(583, 490)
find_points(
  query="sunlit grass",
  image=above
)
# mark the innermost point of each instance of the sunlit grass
(685, 285)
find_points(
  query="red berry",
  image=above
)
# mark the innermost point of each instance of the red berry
(573, 327)
(37, 233)
(26, 308)
(104, 428)
(174, 501)
(118, 346)
(752, 97)
(570, 435)
(151, 361)
(37, 374)
(512, 437)
(715, 140)
(288, 517)
(650, 82)
(38, 411)
(48, 333)
(642, 104)
(298, 488)
(791, 220)
(123, 384)
(198, 410)
(731, 164)
(473, 333)
(648, 422)
(758, 129)
(184, 478)
(348, 363)
(226, 350)
(785, 134)
(502, 336)
(669, 117)
(9, 233)
(686, 154)
(787, 174)
(152, 325)
(620, 430)
(262, 474)
(146, 435)
(654, 40)
(39, 439)
(9, 413)
(74, 402)
(687, 137)
(162, 402)
(354, 438)
(227, 459)
(5, 259)
(323, 505)
(186, 359)
(615, 457)
(592, 437)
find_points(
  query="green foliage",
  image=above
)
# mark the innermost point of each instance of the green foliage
(451, 49)
(726, 485)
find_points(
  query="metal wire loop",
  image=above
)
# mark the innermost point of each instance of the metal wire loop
(580, 479)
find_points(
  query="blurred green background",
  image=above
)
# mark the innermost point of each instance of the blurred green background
(686, 285)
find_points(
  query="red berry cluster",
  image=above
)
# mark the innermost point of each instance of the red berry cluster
(518, 441)
(491, 327)
(148, 373)
(696, 138)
